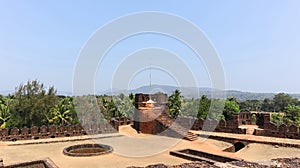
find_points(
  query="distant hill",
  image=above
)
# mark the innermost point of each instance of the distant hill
(188, 92)
(192, 92)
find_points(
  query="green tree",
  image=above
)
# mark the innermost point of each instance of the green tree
(121, 96)
(250, 105)
(87, 110)
(132, 99)
(63, 113)
(174, 104)
(268, 105)
(231, 108)
(276, 118)
(292, 114)
(33, 104)
(282, 100)
(216, 109)
(124, 106)
(113, 110)
(110, 107)
(103, 104)
(190, 107)
(4, 111)
(203, 107)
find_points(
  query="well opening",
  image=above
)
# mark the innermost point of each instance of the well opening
(238, 146)
(87, 150)
(235, 147)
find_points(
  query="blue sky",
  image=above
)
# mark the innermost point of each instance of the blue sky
(257, 41)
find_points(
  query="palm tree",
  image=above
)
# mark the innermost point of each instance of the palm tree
(113, 110)
(4, 112)
(174, 104)
(62, 113)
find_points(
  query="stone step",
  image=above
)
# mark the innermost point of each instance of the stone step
(250, 131)
(179, 130)
(191, 136)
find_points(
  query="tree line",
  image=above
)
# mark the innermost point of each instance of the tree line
(202, 107)
(32, 104)
(286, 108)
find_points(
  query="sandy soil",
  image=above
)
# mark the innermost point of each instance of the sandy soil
(138, 150)
(261, 152)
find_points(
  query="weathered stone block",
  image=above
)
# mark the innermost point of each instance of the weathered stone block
(34, 132)
(43, 131)
(293, 128)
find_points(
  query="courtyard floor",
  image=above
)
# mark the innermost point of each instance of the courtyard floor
(132, 149)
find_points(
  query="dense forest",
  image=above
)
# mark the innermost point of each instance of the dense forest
(32, 104)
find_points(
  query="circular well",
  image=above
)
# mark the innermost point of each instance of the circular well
(87, 150)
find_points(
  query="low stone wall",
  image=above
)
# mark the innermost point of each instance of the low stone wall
(58, 131)
(232, 126)
(196, 155)
(282, 131)
(124, 121)
(42, 163)
(275, 163)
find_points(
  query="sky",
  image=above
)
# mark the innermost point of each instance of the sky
(258, 42)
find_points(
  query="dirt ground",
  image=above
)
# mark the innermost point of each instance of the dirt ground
(261, 152)
(133, 149)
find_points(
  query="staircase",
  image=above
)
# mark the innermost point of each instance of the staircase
(191, 136)
(175, 129)
(250, 131)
